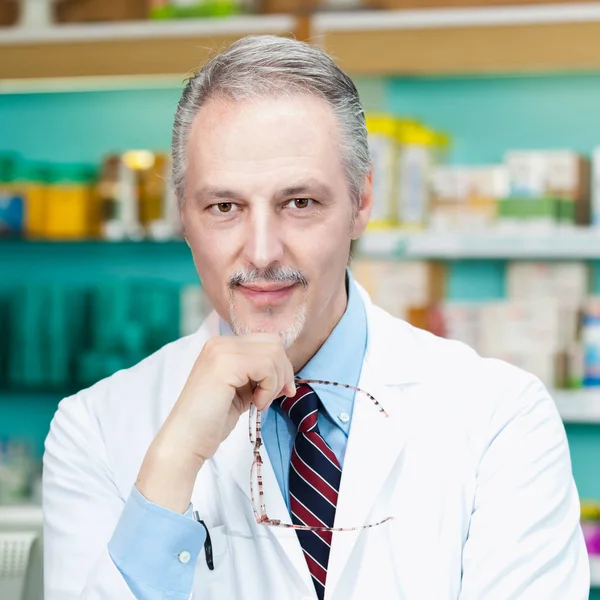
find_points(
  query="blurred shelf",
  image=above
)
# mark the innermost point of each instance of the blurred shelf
(595, 571)
(91, 262)
(578, 406)
(6, 242)
(171, 48)
(574, 244)
(52, 393)
(20, 513)
(464, 41)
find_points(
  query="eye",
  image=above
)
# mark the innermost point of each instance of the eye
(301, 203)
(223, 207)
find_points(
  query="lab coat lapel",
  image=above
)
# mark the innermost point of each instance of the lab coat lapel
(391, 368)
(375, 445)
(237, 456)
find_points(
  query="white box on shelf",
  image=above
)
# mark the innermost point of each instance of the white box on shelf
(578, 406)
(595, 571)
(397, 285)
(568, 282)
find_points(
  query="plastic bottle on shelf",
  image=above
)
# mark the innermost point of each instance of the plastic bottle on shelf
(382, 144)
(419, 148)
(119, 191)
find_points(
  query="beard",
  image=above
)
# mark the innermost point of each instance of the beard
(286, 275)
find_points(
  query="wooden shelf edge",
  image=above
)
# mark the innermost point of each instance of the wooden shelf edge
(100, 83)
(323, 23)
(530, 39)
(134, 30)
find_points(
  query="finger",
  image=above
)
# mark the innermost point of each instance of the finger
(267, 388)
(281, 374)
(261, 337)
(289, 388)
(245, 395)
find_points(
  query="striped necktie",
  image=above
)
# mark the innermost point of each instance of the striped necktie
(314, 482)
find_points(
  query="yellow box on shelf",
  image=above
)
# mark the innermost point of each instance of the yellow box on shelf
(32, 181)
(69, 203)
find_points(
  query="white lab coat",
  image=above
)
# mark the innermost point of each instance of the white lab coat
(472, 463)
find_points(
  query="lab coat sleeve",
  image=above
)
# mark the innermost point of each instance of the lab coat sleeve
(82, 511)
(525, 540)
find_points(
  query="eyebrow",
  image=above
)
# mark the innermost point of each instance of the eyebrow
(217, 193)
(307, 186)
(302, 187)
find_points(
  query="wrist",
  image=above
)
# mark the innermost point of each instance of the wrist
(167, 476)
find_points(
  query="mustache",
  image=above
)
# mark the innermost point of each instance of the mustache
(271, 274)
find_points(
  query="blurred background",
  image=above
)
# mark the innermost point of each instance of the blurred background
(484, 124)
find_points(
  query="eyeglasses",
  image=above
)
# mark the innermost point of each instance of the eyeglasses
(258, 499)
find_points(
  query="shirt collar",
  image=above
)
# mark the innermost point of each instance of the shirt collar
(340, 359)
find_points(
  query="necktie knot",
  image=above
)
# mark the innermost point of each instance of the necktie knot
(303, 408)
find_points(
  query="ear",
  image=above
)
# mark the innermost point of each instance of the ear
(363, 212)
(183, 220)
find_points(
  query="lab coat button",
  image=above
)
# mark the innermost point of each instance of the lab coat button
(184, 557)
(344, 417)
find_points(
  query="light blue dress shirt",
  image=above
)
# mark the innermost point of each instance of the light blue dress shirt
(148, 540)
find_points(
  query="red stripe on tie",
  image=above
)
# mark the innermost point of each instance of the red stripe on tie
(319, 442)
(316, 570)
(308, 518)
(314, 479)
(290, 401)
(308, 422)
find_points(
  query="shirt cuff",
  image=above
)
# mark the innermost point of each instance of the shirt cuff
(155, 548)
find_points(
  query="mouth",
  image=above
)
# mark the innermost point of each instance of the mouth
(267, 294)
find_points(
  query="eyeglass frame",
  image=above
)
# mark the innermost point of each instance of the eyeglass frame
(256, 469)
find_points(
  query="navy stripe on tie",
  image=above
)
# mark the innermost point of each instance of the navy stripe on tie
(307, 450)
(314, 482)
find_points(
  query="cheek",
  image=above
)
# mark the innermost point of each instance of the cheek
(212, 268)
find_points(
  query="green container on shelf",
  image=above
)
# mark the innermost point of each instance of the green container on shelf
(110, 310)
(567, 212)
(201, 9)
(26, 368)
(530, 209)
(56, 338)
(8, 166)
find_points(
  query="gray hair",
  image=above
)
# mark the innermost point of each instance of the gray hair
(267, 65)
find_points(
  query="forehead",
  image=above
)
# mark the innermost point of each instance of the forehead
(264, 135)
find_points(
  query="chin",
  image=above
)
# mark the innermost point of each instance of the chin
(288, 329)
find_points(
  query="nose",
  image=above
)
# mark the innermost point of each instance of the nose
(264, 238)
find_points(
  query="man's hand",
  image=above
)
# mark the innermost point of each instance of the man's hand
(230, 373)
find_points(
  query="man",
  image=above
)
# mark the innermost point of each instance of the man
(447, 476)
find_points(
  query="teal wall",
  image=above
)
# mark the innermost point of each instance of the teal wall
(485, 116)
(82, 127)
